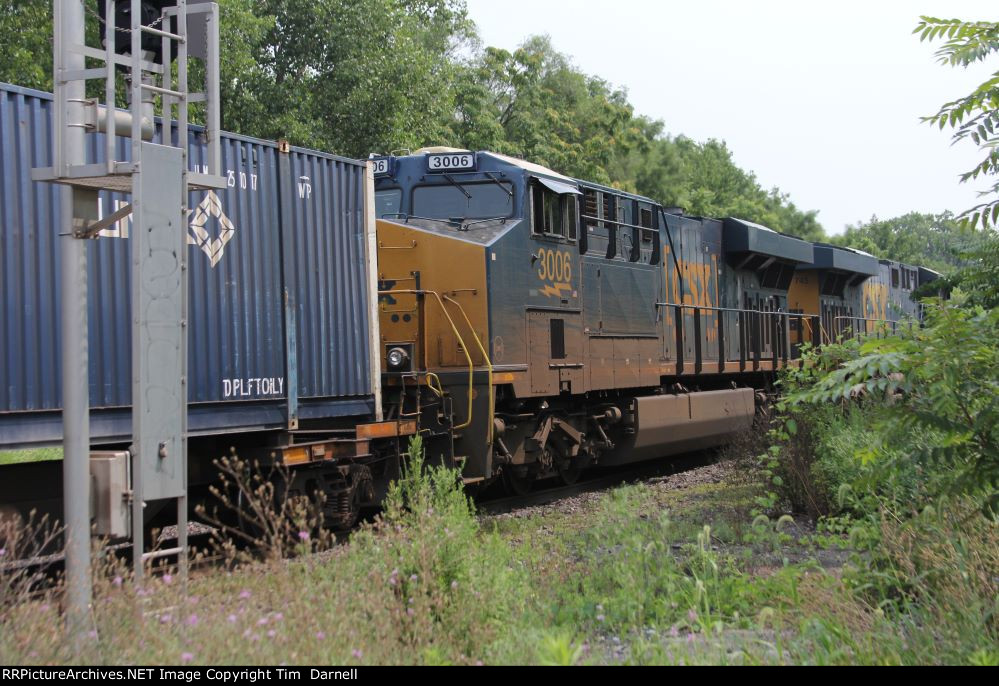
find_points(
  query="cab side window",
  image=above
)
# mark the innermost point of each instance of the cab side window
(547, 219)
(553, 214)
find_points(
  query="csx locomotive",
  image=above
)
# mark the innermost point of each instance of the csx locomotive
(536, 324)
(528, 325)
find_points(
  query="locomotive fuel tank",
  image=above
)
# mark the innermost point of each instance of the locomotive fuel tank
(663, 425)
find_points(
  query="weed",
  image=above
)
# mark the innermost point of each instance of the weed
(257, 510)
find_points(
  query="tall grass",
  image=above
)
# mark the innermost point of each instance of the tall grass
(421, 584)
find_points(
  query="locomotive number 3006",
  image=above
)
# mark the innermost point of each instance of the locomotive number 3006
(451, 162)
(554, 265)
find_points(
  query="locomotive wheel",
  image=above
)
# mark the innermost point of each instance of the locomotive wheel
(570, 473)
(516, 484)
(569, 470)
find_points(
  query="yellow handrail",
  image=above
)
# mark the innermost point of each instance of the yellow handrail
(439, 388)
(461, 342)
(489, 364)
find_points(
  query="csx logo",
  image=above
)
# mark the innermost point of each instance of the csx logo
(875, 301)
(555, 266)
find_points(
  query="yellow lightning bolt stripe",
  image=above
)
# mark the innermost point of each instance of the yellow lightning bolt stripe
(555, 290)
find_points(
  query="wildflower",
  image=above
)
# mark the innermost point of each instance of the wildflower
(674, 632)
(271, 633)
(278, 616)
(478, 663)
(690, 638)
(303, 535)
(321, 635)
(454, 585)
(262, 621)
(692, 615)
(165, 619)
(168, 579)
(92, 634)
(232, 619)
(3, 551)
(192, 620)
(414, 578)
(410, 612)
(244, 595)
(118, 581)
(600, 618)
(186, 657)
(357, 653)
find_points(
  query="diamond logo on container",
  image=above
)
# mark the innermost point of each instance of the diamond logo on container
(210, 207)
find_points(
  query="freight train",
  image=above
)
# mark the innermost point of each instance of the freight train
(526, 324)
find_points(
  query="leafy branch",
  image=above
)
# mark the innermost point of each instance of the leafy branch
(976, 115)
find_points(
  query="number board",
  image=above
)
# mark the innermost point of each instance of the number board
(455, 161)
(382, 165)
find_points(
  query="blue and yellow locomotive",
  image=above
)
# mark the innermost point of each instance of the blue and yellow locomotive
(534, 324)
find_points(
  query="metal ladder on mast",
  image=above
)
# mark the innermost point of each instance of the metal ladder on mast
(157, 176)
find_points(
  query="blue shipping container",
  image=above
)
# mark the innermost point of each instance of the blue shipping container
(280, 288)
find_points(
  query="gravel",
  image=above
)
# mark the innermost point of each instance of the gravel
(584, 502)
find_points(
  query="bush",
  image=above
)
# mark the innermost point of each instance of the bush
(900, 435)
(935, 389)
(816, 451)
(936, 575)
(429, 558)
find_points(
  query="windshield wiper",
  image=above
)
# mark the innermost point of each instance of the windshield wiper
(458, 186)
(492, 177)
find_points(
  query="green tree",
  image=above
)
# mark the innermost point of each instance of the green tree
(26, 49)
(350, 76)
(362, 76)
(703, 179)
(937, 241)
(976, 115)
(533, 103)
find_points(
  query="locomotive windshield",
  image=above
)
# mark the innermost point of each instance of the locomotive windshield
(464, 201)
(388, 202)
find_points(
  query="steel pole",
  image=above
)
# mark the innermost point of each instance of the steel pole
(70, 21)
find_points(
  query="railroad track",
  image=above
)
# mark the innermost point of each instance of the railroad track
(50, 566)
(597, 480)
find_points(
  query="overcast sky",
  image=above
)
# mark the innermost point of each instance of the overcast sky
(820, 99)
